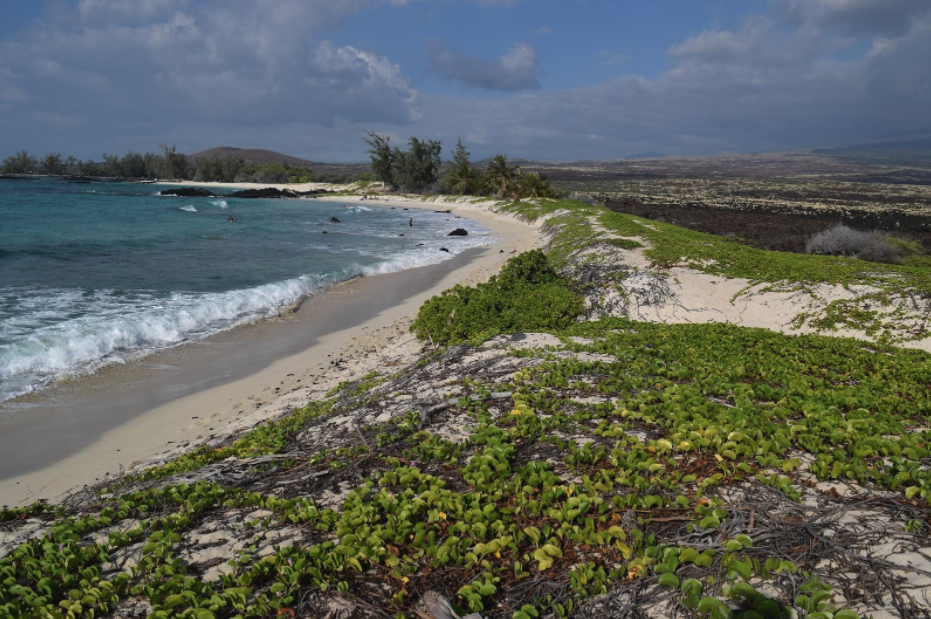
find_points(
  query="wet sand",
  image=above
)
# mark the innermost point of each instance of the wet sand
(79, 432)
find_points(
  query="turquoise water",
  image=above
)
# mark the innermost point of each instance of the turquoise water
(92, 274)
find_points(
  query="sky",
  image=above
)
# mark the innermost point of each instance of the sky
(557, 80)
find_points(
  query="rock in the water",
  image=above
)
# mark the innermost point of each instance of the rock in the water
(334, 220)
(188, 192)
(444, 249)
(458, 232)
(266, 192)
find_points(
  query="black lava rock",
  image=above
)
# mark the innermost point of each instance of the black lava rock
(188, 192)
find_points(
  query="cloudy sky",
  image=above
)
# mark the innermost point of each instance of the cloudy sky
(542, 79)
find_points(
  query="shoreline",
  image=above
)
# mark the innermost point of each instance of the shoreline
(212, 412)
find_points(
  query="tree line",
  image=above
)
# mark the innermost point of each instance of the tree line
(418, 169)
(167, 165)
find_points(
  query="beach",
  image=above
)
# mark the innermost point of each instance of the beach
(232, 381)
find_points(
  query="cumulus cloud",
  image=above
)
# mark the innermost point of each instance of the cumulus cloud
(243, 61)
(516, 70)
(267, 73)
(888, 18)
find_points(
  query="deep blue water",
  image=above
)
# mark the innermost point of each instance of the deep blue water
(92, 274)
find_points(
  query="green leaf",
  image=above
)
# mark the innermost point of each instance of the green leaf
(709, 522)
(486, 589)
(669, 580)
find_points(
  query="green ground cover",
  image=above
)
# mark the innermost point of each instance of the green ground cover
(895, 290)
(612, 466)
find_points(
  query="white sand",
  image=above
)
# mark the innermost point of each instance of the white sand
(376, 344)
(384, 342)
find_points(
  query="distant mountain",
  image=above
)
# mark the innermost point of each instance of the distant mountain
(254, 155)
(915, 146)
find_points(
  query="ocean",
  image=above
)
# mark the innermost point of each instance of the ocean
(102, 273)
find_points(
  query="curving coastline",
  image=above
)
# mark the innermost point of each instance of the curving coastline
(63, 447)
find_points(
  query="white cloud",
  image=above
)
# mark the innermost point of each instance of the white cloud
(263, 73)
(251, 61)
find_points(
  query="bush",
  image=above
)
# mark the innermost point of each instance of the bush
(844, 241)
(528, 295)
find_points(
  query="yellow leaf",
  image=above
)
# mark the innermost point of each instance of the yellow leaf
(718, 458)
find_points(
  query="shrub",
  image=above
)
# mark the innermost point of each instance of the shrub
(844, 241)
(528, 295)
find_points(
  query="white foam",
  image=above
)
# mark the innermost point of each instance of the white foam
(220, 203)
(114, 329)
(189, 208)
(51, 334)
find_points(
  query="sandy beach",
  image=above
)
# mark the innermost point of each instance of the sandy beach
(361, 326)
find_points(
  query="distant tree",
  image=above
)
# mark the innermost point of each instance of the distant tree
(175, 163)
(20, 163)
(154, 165)
(132, 165)
(89, 168)
(231, 166)
(418, 167)
(382, 158)
(111, 165)
(71, 164)
(501, 177)
(51, 164)
(461, 177)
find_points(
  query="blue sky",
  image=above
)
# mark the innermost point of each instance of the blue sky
(543, 79)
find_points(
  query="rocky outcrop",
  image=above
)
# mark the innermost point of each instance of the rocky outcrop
(188, 192)
(265, 192)
(459, 232)
(334, 220)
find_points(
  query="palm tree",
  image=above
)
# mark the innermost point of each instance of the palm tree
(500, 176)
(535, 185)
(463, 180)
